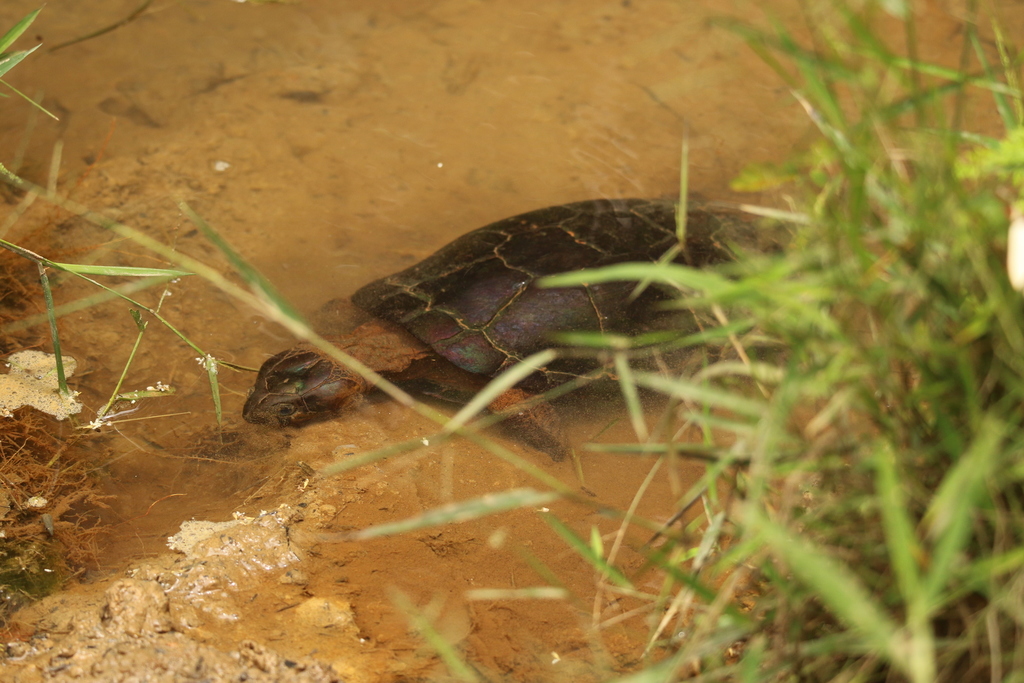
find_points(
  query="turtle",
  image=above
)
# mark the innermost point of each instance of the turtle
(475, 305)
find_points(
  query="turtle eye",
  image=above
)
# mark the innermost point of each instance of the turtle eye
(285, 410)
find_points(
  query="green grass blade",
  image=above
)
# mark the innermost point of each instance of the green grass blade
(498, 386)
(904, 549)
(146, 393)
(210, 364)
(627, 384)
(999, 98)
(980, 575)
(544, 572)
(535, 593)
(119, 271)
(710, 422)
(115, 395)
(687, 578)
(85, 302)
(835, 585)
(820, 75)
(987, 82)
(15, 31)
(259, 284)
(715, 335)
(1012, 76)
(86, 269)
(120, 293)
(685, 450)
(132, 16)
(31, 101)
(751, 664)
(950, 514)
(897, 8)
(462, 511)
(603, 340)
(12, 59)
(703, 393)
(794, 217)
(357, 461)
(140, 324)
(762, 372)
(584, 550)
(809, 61)
(419, 621)
(596, 542)
(665, 273)
(684, 191)
(62, 381)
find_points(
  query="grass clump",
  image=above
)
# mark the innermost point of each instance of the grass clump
(876, 533)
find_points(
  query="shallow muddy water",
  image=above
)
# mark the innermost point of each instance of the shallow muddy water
(331, 143)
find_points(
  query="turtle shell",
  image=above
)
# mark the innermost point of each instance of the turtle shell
(475, 303)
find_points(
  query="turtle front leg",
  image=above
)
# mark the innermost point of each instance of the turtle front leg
(538, 425)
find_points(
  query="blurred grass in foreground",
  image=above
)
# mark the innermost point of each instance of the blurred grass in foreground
(876, 533)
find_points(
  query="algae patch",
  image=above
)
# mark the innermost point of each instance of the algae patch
(32, 381)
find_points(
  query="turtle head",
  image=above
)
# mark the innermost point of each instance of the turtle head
(300, 385)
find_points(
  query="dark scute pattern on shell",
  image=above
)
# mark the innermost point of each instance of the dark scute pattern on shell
(477, 291)
(473, 350)
(472, 300)
(528, 321)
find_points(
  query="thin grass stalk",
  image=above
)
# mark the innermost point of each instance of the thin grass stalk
(1002, 104)
(62, 382)
(31, 101)
(682, 206)
(603, 568)
(55, 156)
(132, 16)
(84, 303)
(44, 280)
(210, 364)
(684, 599)
(498, 386)
(534, 593)
(1011, 74)
(31, 121)
(631, 395)
(16, 214)
(457, 666)
(141, 327)
(620, 535)
(462, 511)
